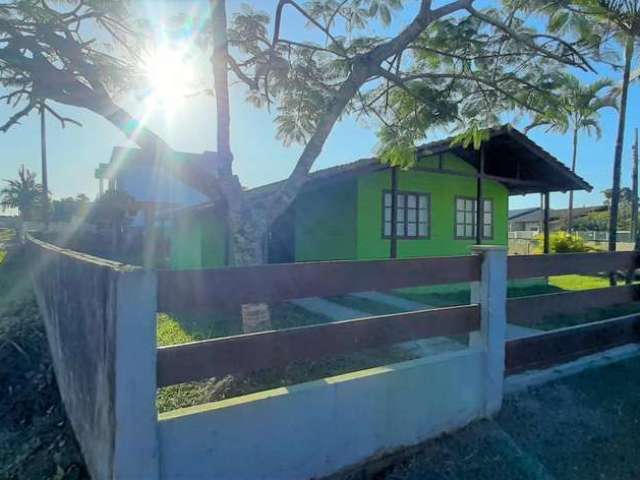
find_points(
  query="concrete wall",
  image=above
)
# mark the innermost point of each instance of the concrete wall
(100, 323)
(317, 428)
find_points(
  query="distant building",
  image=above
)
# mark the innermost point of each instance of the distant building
(531, 219)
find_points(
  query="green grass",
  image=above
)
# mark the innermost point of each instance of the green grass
(579, 282)
(177, 329)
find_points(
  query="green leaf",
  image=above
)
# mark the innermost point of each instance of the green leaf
(558, 20)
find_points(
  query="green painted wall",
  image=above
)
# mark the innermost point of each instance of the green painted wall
(325, 227)
(185, 238)
(443, 190)
(343, 220)
(197, 241)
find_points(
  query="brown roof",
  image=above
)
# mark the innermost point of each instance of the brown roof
(543, 171)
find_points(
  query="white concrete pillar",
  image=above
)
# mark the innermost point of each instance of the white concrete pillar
(136, 421)
(491, 294)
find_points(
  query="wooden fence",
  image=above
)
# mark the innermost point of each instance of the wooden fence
(558, 346)
(202, 290)
(229, 287)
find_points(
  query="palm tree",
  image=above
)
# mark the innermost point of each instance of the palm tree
(578, 111)
(23, 194)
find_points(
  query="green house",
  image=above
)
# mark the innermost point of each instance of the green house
(347, 211)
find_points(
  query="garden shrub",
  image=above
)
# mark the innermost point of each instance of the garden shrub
(563, 242)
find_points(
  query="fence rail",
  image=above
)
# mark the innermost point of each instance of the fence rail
(530, 310)
(527, 266)
(279, 348)
(559, 346)
(195, 290)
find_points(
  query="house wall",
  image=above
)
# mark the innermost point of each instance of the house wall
(325, 223)
(197, 241)
(443, 190)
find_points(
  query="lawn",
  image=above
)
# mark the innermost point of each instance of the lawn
(174, 329)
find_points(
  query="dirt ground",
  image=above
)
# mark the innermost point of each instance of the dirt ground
(582, 427)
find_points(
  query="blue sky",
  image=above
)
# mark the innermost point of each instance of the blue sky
(74, 152)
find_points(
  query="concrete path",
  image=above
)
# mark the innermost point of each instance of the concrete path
(513, 331)
(336, 312)
(329, 309)
(392, 300)
(516, 331)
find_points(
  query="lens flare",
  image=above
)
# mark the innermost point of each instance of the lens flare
(170, 77)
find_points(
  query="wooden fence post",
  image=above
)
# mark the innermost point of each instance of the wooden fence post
(491, 294)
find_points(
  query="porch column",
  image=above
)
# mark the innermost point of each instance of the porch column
(393, 249)
(546, 222)
(479, 205)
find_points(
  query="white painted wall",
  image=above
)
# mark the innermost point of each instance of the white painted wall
(317, 428)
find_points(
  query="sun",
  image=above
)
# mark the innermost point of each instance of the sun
(170, 77)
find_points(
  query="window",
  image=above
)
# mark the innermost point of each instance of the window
(412, 215)
(466, 218)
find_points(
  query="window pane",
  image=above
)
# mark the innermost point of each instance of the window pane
(387, 199)
(487, 217)
(422, 215)
(469, 205)
(411, 229)
(400, 229)
(468, 218)
(422, 229)
(460, 217)
(411, 215)
(486, 231)
(423, 201)
(387, 229)
(400, 214)
(387, 214)
(460, 203)
(468, 231)
(400, 200)
(459, 230)
(487, 205)
(411, 201)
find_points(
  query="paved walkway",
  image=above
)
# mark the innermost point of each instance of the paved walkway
(332, 310)
(392, 300)
(513, 331)
(582, 427)
(337, 312)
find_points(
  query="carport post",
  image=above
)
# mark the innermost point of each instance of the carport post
(491, 294)
(546, 223)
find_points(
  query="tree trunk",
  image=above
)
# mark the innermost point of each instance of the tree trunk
(220, 79)
(634, 205)
(617, 160)
(45, 178)
(573, 169)
(634, 200)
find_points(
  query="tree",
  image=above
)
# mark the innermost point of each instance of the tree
(445, 59)
(462, 66)
(578, 110)
(84, 54)
(23, 194)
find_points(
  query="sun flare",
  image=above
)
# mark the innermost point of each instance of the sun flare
(170, 77)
